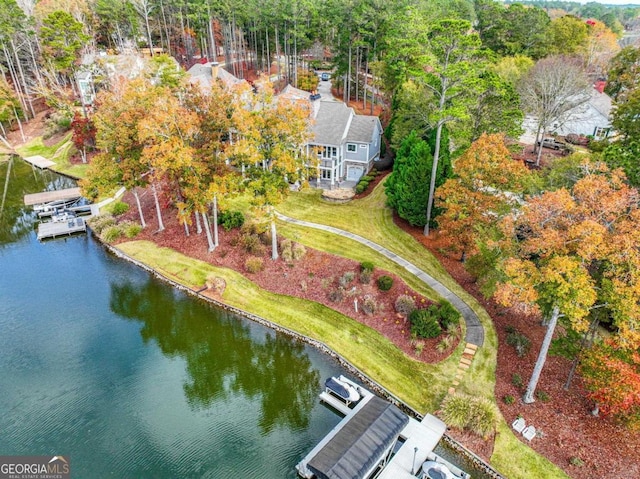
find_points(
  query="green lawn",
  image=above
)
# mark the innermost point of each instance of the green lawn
(58, 153)
(421, 386)
(370, 218)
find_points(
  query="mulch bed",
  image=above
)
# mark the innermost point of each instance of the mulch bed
(313, 277)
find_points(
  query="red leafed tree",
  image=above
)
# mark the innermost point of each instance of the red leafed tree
(612, 376)
(84, 134)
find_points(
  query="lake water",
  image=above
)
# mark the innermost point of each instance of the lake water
(129, 378)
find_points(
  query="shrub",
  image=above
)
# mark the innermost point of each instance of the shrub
(287, 254)
(516, 380)
(365, 277)
(508, 399)
(520, 342)
(367, 266)
(385, 283)
(253, 264)
(369, 305)
(361, 187)
(346, 279)
(424, 323)
(543, 396)
(448, 315)
(119, 208)
(251, 244)
(367, 178)
(265, 238)
(131, 229)
(98, 223)
(230, 219)
(111, 233)
(576, 461)
(445, 343)
(298, 251)
(405, 304)
(476, 414)
(336, 295)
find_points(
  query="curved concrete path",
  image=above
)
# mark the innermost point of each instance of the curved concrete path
(475, 331)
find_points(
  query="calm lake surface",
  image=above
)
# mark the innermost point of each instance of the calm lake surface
(129, 378)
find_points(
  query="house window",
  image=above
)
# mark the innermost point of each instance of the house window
(329, 152)
(600, 132)
(326, 174)
(351, 147)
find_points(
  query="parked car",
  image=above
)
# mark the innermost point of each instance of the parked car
(325, 76)
(554, 144)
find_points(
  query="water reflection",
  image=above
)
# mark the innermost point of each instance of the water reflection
(224, 356)
(18, 178)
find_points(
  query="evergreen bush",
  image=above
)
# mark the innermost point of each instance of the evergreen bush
(230, 219)
(385, 283)
(367, 266)
(424, 323)
(520, 342)
(448, 315)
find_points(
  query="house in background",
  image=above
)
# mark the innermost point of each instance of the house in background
(347, 144)
(592, 118)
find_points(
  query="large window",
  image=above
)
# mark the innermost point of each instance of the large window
(326, 174)
(352, 147)
(329, 152)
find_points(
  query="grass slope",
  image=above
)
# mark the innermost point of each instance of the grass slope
(58, 153)
(420, 385)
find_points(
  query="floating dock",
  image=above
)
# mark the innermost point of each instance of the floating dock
(374, 439)
(62, 228)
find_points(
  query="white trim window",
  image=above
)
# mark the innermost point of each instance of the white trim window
(352, 147)
(326, 174)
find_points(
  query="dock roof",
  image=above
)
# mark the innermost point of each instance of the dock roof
(361, 443)
(55, 195)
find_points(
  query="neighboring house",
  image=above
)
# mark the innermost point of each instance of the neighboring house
(347, 144)
(203, 74)
(590, 119)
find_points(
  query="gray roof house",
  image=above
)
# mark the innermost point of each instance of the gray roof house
(347, 144)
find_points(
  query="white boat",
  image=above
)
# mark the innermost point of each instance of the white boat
(438, 468)
(62, 216)
(342, 389)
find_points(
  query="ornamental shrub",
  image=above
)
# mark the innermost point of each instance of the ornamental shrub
(405, 304)
(230, 219)
(361, 187)
(365, 276)
(111, 233)
(473, 413)
(367, 266)
(253, 264)
(251, 244)
(131, 229)
(424, 322)
(119, 208)
(98, 223)
(369, 306)
(448, 315)
(385, 283)
(520, 342)
(346, 279)
(298, 250)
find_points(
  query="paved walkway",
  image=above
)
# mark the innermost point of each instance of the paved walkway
(475, 331)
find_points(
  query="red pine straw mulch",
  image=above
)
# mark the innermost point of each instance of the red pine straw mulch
(313, 277)
(607, 449)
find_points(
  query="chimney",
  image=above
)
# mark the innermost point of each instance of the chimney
(214, 69)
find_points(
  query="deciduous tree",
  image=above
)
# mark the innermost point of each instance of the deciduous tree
(573, 250)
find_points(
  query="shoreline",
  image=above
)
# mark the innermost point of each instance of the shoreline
(450, 442)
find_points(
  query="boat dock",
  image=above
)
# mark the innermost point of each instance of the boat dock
(50, 196)
(39, 161)
(374, 437)
(53, 229)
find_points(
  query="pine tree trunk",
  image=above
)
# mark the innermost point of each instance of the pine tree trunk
(542, 357)
(158, 212)
(135, 195)
(434, 171)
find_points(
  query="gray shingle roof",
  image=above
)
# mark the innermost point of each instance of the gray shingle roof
(331, 121)
(362, 128)
(360, 444)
